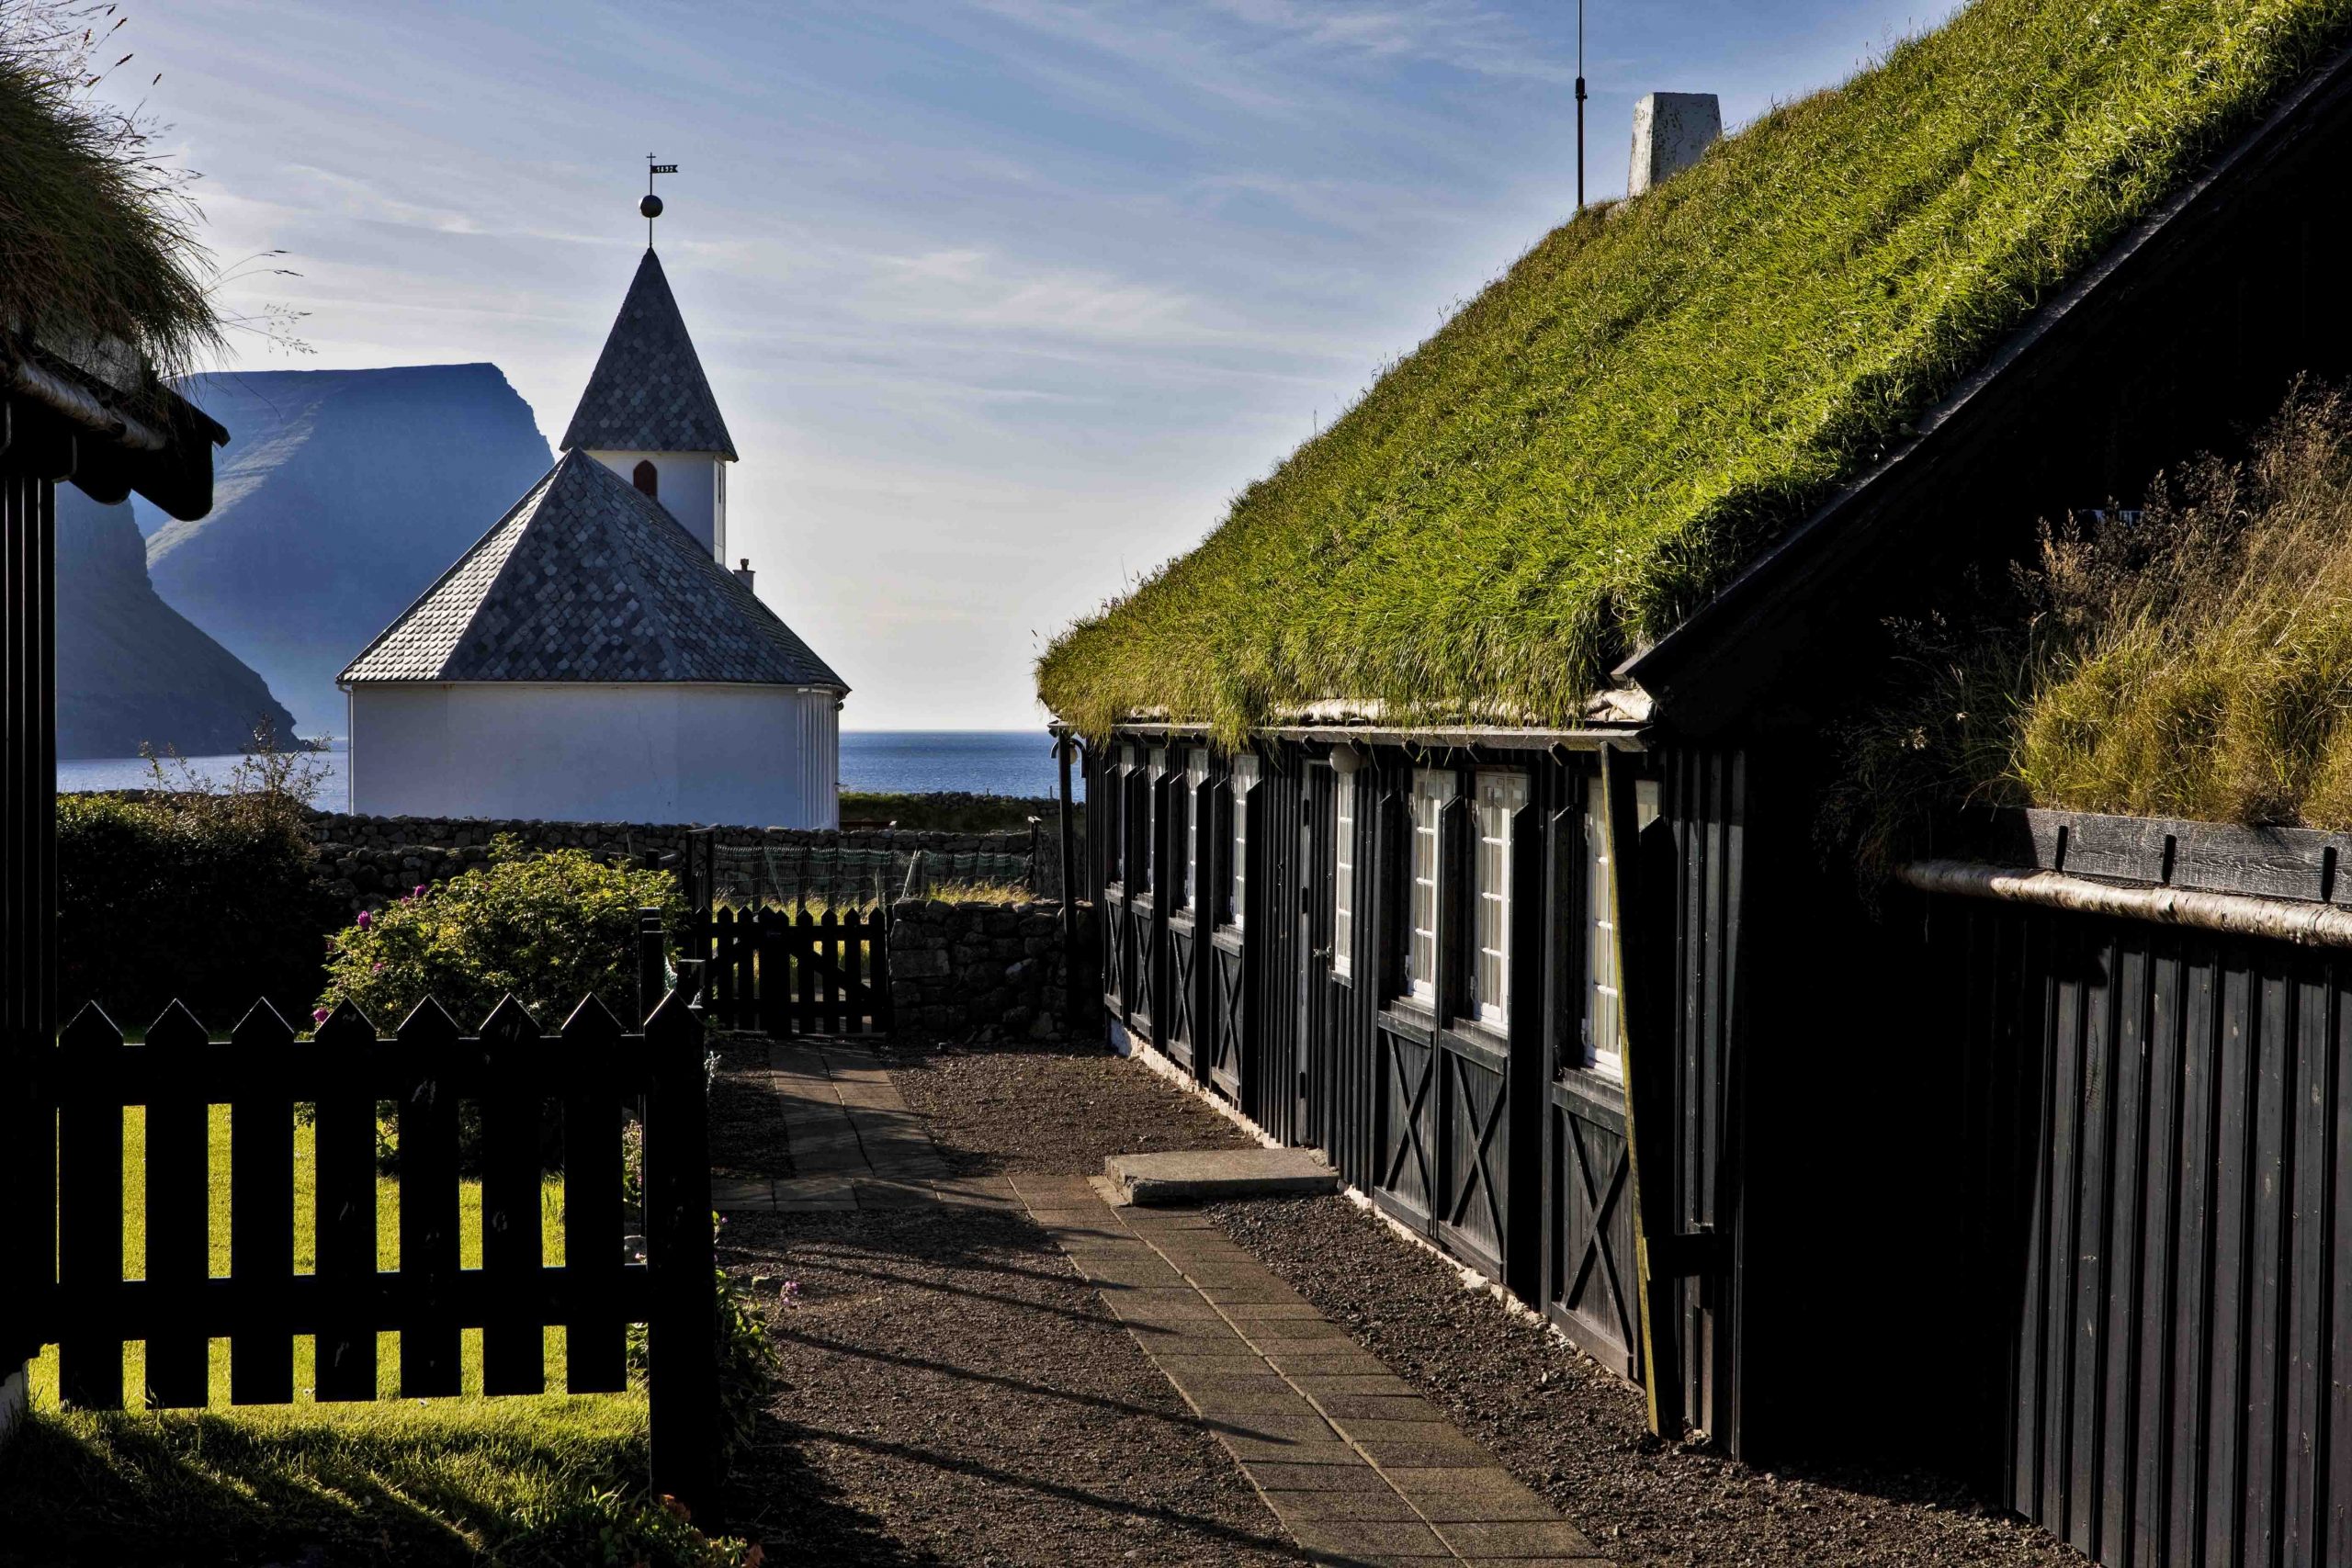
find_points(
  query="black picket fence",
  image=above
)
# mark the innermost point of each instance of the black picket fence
(525, 1083)
(794, 971)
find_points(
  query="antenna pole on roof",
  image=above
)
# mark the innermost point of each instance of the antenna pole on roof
(1580, 107)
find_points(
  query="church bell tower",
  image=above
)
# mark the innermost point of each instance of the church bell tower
(648, 413)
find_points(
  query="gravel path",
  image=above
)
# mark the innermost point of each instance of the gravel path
(1053, 1110)
(745, 1105)
(955, 1393)
(960, 1397)
(1575, 1433)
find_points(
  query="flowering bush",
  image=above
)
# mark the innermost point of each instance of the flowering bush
(545, 928)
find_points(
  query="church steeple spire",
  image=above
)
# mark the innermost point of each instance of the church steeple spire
(649, 414)
(648, 393)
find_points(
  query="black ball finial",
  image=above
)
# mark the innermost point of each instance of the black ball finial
(652, 205)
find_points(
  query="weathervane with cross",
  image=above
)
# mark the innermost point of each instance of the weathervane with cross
(651, 204)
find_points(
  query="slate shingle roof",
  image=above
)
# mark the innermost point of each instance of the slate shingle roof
(586, 578)
(647, 393)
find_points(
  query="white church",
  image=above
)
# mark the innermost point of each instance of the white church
(590, 659)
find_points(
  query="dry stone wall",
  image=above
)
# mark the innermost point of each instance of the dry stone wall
(986, 971)
(367, 862)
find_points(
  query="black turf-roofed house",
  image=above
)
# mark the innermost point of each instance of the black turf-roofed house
(1457, 800)
(95, 290)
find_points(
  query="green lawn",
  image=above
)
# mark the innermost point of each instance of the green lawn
(388, 1253)
(458, 1481)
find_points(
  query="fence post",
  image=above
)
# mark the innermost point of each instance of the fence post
(681, 1330)
(652, 963)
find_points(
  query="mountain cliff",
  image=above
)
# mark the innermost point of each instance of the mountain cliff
(340, 498)
(131, 670)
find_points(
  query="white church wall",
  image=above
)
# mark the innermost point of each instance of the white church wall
(749, 756)
(691, 487)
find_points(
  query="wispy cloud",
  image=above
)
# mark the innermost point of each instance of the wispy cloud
(1008, 295)
(1467, 37)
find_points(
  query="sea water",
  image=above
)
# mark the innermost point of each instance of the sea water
(910, 761)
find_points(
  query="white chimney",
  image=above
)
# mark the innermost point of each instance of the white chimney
(1670, 130)
(743, 574)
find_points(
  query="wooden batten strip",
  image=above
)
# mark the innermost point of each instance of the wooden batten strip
(2236, 914)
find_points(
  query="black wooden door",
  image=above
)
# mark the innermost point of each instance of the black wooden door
(1143, 1003)
(1405, 1119)
(1588, 1281)
(1181, 1004)
(1227, 1025)
(1118, 951)
(1470, 1115)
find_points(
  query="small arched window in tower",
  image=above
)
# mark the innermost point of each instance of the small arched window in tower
(646, 477)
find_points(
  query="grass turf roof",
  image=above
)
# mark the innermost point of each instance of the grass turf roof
(94, 237)
(1655, 390)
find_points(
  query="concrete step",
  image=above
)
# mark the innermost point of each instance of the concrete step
(1206, 1176)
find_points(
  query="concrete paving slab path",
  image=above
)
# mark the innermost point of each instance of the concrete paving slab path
(1357, 1467)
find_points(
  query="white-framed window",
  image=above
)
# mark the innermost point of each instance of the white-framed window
(1344, 863)
(1600, 1000)
(1196, 777)
(1156, 770)
(1501, 797)
(1243, 778)
(1431, 790)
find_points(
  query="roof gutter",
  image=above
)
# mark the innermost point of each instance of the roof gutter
(1489, 738)
(2233, 914)
(83, 408)
(1777, 590)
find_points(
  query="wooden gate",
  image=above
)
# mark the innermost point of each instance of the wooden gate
(533, 1092)
(796, 971)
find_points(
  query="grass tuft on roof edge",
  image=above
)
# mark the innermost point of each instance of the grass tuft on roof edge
(1660, 389)
(96, 233)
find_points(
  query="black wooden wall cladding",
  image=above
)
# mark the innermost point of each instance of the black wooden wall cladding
(1703, 811)
(27, 841)
(1506, 1147)
(2159, 1128)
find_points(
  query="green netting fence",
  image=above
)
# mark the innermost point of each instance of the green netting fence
(790, 876)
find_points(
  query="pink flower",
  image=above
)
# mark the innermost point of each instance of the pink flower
(417, 892)
(790, 1294)
(365, 921)
(318, 1015)
(377, 968)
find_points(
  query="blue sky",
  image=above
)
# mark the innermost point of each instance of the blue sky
(1003, 299)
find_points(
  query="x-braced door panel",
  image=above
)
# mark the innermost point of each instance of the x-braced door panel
(1589, 1284)
(1228, 1019)
(1183, 959)
(1476, 1158)
(1404, 1135)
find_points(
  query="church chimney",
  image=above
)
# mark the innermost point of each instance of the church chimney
(743, 574)
(1670, 131)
